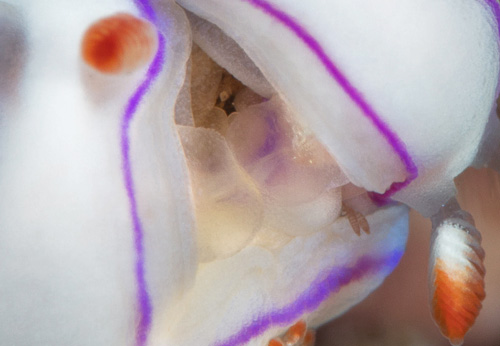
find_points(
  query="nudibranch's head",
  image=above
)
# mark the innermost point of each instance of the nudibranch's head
(211, 172)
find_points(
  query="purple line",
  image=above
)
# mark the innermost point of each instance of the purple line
(272, 137)
(143, 299)
(146, 10)
(321, 289)
(383, 199)
(495, 8)
(390, 136)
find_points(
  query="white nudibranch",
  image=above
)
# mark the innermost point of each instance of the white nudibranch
(209, 172)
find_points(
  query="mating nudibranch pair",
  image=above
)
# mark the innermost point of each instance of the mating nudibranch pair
(123, 43)
(213, 170)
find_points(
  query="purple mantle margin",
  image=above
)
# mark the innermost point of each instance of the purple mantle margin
(390, 136)
(495, 9)
(143, 299)
(315, 47)
(319, 291)
(338, 277)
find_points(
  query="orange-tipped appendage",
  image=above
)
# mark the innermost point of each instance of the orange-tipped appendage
(119, 44)
(456, 302)
(295, 333)
(275, 342)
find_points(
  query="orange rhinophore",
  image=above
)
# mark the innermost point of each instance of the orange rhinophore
(119, 44)
(456, 277)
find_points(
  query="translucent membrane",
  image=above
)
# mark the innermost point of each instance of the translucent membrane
(246, 97)
(206, 77)
(228, 208)
(299, 180)
(287, 164)
(304, 218)
(215, 119)
(256, 173)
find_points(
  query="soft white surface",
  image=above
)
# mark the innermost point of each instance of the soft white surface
(226, 52)
(429, 69)
(457, 249)
(67, 273)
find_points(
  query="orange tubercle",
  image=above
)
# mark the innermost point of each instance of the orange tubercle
(120, 43)
(456, 302)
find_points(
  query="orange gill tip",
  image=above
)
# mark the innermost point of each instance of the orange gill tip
(357, 220)
(275, 342)
(456, 274)
(120, 43)
(295, 333)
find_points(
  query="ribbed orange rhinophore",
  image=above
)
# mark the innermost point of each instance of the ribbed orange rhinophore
(119, 44)
(456, 301)
(456, 275)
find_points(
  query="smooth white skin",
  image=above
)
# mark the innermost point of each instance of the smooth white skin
(66, 246)
(68, 261)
